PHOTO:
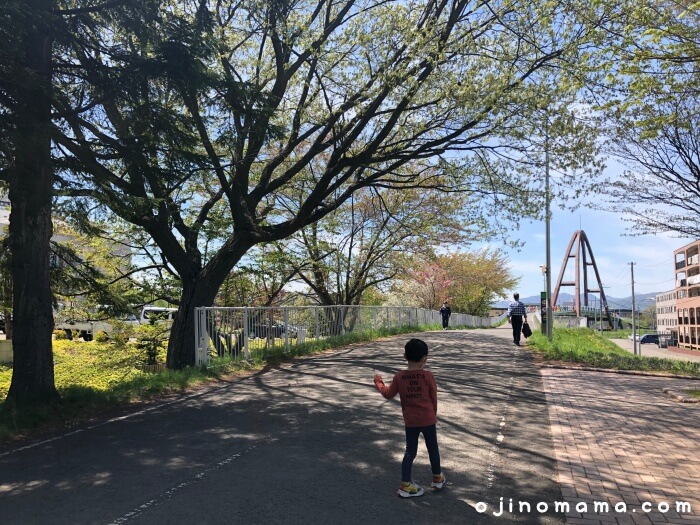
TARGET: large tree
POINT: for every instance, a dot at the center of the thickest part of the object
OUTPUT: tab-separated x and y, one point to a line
653	117
258	280
478	278
365	243
425	284
470	281
248	100
35	66
26	90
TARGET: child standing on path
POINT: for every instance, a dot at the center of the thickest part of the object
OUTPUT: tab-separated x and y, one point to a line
418	393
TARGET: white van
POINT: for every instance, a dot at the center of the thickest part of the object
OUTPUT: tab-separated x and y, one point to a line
160	313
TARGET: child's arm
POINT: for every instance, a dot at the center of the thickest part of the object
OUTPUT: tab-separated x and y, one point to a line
387	391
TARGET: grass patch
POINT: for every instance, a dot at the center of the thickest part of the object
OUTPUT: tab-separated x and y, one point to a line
625	333
617	334
95	377
692	393
585	346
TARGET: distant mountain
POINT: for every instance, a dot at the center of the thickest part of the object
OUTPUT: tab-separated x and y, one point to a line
641	300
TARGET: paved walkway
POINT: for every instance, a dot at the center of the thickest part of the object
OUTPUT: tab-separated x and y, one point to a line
620	440
310	441
313	442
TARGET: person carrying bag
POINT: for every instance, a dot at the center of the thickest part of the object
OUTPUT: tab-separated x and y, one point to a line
517	317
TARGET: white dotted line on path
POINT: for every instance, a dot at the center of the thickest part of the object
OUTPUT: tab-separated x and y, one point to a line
180	486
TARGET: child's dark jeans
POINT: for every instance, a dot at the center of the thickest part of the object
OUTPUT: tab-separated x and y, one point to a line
430	436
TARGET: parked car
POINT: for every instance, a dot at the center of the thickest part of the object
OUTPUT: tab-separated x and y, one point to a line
649	338
87	328
265	330
159	313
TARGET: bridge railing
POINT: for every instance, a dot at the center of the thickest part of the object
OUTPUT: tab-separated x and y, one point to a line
244	331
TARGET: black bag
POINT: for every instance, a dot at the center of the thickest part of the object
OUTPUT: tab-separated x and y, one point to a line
526	330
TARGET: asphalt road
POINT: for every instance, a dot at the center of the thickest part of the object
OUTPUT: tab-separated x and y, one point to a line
308	442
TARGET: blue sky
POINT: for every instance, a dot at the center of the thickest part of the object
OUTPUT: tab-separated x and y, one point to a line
612	248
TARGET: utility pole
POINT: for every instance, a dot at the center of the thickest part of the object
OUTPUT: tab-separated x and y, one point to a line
550	320
634	326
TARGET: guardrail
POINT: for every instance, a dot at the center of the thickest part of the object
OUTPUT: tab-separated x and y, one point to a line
242	331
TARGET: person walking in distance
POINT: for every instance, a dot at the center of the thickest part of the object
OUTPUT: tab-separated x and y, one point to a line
516	316
418	393
445	312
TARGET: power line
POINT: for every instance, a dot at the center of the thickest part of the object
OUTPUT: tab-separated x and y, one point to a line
668	262
660	282
619	277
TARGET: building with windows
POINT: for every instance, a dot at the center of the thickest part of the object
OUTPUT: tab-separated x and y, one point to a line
687	268
666	316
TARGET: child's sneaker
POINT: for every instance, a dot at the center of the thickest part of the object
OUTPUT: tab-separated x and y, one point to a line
438	481
409	489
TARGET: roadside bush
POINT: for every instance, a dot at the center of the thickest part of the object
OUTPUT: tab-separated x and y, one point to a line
122	332
151	339
60	335
101	337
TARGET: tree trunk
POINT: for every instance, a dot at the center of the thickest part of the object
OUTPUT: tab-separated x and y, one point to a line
181	346
30	230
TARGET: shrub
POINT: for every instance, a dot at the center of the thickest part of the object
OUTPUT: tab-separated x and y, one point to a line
150	340
60	335
122	332
101	337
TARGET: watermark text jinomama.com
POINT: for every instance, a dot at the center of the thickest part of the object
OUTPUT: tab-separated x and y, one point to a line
583	507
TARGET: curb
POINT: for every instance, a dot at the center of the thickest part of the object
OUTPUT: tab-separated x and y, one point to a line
680	397
626	372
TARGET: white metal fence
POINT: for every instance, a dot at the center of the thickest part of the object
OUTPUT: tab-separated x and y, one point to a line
243	331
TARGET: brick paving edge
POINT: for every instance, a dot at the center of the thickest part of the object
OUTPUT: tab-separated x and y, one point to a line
614	371
680	397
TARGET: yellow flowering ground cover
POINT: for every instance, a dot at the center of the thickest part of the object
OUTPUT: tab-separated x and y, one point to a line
93	366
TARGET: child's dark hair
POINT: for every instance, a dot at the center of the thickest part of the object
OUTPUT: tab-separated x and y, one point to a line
416	349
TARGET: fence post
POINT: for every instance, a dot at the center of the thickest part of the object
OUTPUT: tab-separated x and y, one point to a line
286	329
246	349
200	330
318	334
